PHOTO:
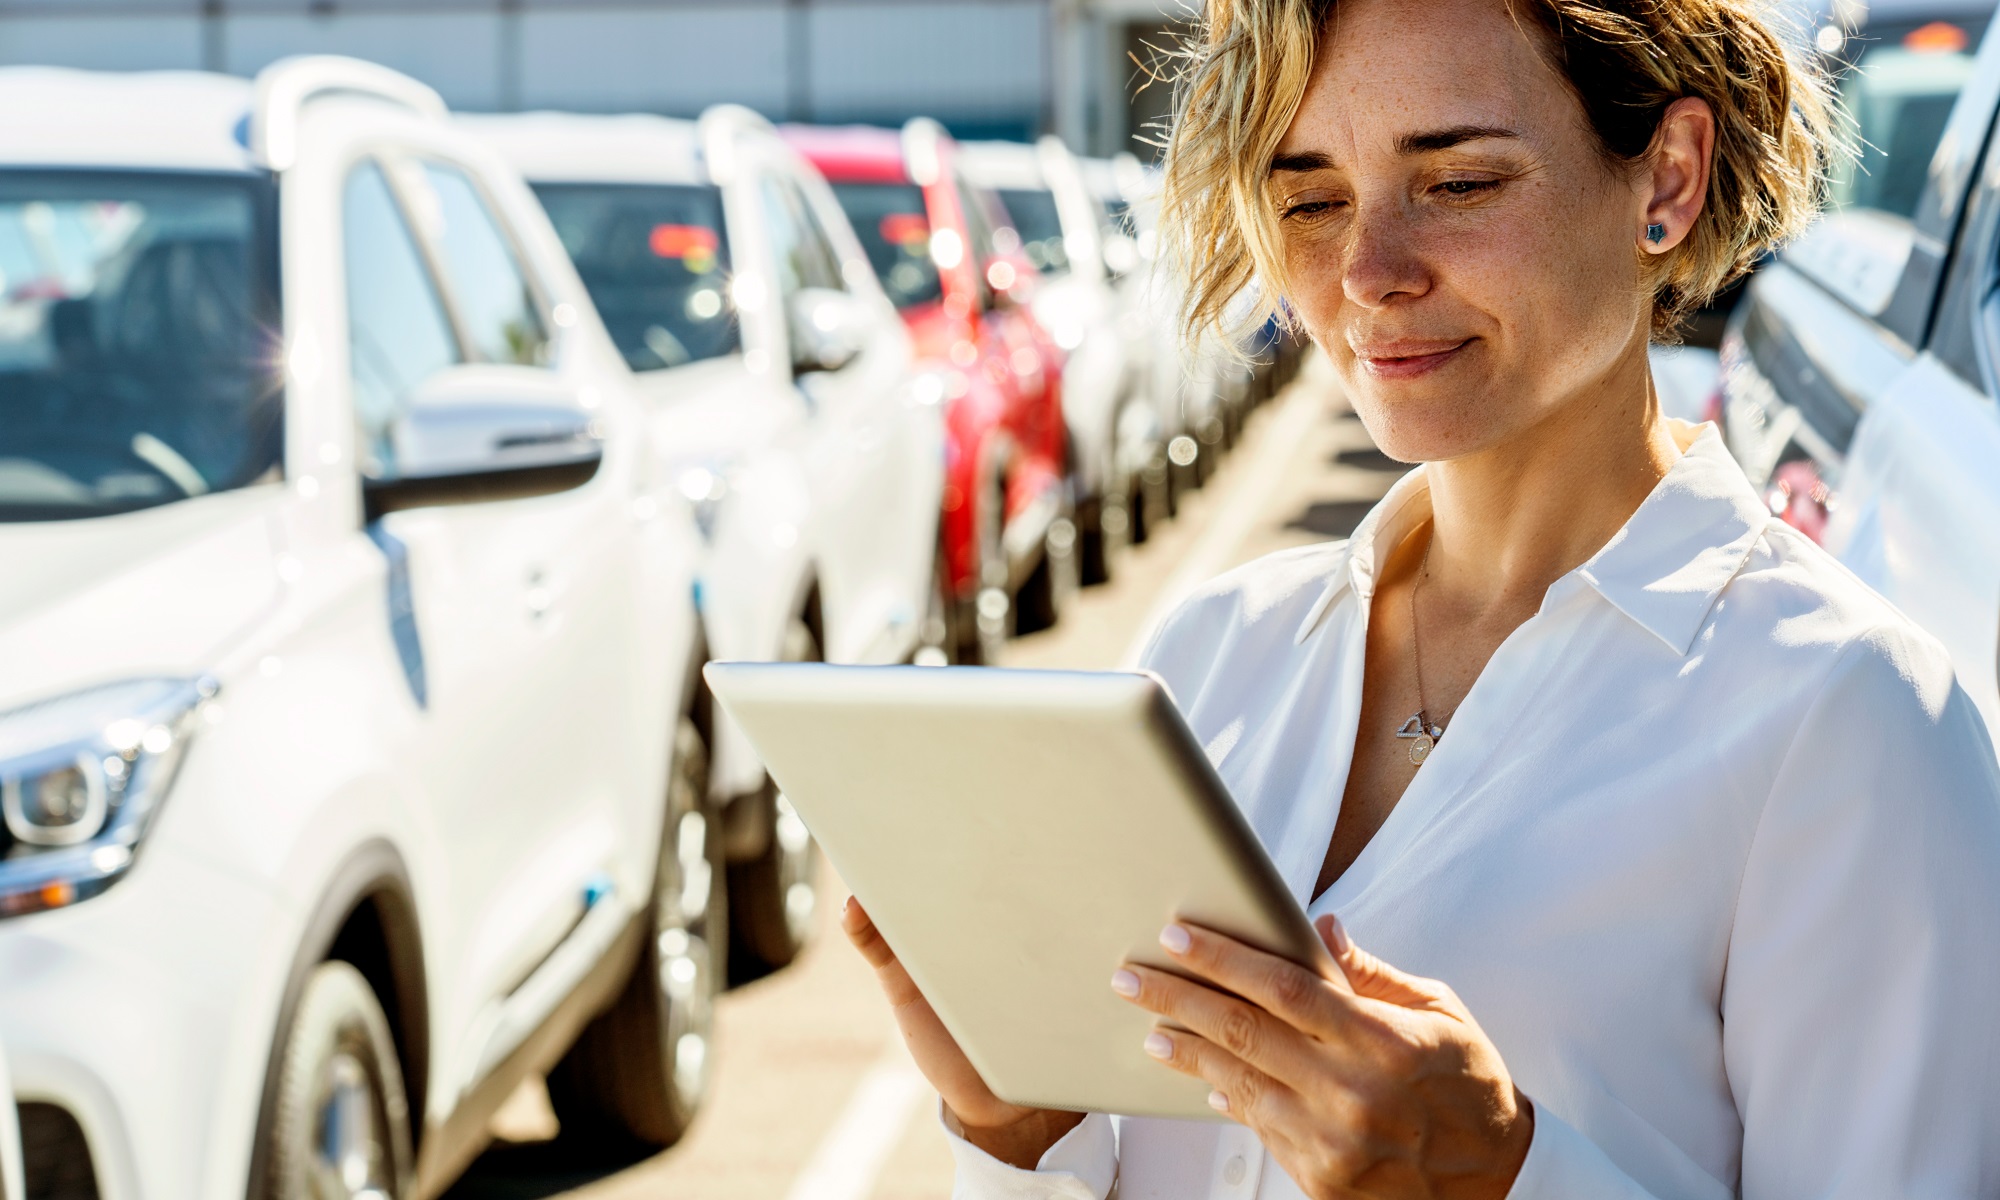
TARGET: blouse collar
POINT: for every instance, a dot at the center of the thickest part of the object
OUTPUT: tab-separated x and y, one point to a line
1663	569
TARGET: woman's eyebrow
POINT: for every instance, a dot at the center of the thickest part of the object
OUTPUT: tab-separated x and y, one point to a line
1406	144
1445	139
1304	160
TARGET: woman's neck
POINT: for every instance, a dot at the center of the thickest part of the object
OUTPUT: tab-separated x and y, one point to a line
1510	520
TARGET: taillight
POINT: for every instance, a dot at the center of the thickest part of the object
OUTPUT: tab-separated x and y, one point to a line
1800	498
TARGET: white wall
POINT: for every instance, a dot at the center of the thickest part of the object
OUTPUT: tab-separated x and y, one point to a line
966	61
974	58
99	43
675	61
456	53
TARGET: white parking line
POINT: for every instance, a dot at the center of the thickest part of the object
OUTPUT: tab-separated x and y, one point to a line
851	1154
1261	476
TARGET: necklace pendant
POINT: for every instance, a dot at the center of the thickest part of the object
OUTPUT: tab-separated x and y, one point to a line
1421	735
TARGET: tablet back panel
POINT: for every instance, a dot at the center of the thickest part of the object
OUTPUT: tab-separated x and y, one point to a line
1016	835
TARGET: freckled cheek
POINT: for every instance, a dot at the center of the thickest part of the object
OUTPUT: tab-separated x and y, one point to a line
1313	273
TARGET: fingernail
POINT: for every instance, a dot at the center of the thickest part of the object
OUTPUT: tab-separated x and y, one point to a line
1176	939
1340	943
1159	1045
1125	983
1218	1102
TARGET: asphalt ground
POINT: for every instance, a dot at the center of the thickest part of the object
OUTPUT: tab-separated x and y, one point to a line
813	1097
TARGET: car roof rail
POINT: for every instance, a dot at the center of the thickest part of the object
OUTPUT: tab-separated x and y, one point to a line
285	88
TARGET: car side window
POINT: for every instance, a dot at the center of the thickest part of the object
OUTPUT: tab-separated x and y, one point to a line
980	228
498	309
398	333
823	262
800	248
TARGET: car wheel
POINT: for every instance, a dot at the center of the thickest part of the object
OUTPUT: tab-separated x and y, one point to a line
641	1070
1053	583
774	896
939	640
988	619
1104	527
342	1126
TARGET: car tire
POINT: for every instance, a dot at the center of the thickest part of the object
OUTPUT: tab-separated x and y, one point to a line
942	635
640	1071
342	1120
1104	528
986	618
1049	589
774	897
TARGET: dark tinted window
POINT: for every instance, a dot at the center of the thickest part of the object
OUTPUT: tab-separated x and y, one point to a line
655	259
804	258
1040	226
138	340
500	313
894	229
397	332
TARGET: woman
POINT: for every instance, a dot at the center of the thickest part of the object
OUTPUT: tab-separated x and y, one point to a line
1699	829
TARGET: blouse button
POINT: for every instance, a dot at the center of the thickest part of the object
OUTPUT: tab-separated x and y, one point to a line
1232	1171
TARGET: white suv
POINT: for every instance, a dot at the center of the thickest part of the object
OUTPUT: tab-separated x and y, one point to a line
780	375
350	748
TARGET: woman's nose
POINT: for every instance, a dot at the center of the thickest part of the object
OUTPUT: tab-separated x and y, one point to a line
1382	266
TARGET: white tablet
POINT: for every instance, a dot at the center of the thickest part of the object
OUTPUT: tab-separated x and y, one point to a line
1016	835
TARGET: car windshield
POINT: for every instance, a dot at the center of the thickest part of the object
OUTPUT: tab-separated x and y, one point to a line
1033	211
1900	95
895	229
138	340
656	260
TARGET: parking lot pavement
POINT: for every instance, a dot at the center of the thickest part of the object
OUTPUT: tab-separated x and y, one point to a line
811	1049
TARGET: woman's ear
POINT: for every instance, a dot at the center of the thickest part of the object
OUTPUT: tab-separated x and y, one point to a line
1675	180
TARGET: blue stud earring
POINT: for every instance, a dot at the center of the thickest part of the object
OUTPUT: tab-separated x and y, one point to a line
1656	234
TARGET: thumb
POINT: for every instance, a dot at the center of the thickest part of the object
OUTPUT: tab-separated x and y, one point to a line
1371	977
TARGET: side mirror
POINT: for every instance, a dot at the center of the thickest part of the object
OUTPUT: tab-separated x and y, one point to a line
480	433
829	329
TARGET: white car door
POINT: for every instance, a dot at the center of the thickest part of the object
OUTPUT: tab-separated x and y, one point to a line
873	525
514	606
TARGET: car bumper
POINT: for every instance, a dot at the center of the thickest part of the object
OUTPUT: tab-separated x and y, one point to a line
146	1013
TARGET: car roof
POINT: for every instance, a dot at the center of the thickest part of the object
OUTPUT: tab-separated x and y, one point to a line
1003	165
549	147
851	153
150	120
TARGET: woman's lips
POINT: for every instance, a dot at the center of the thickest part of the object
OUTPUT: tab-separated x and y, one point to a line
1409	361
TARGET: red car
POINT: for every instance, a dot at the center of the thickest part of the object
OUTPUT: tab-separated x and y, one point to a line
955	268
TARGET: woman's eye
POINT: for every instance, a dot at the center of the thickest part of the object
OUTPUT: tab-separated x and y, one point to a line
1309	208
1467	187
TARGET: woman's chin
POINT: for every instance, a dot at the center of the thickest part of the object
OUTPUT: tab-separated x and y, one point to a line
1412	431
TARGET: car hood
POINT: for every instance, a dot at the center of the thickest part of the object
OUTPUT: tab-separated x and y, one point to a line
156	592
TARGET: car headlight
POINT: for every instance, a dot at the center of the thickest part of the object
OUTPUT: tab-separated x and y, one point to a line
80	778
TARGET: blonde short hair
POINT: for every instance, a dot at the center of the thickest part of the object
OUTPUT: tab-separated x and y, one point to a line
1241	76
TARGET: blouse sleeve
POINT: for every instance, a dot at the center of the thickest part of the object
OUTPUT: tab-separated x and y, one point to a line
1859	993
1081	1166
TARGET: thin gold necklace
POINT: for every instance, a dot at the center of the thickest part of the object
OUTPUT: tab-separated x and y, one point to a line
1419	730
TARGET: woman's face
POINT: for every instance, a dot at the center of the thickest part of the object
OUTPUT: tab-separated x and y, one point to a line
1455	241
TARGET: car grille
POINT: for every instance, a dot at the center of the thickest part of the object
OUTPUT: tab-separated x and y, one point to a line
55	1157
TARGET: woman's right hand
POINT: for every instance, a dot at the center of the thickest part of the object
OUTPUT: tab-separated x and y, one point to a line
1011	1133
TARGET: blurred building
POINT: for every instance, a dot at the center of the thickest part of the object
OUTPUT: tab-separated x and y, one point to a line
987	68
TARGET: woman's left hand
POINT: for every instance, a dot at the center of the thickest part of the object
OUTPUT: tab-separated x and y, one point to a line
1361	1082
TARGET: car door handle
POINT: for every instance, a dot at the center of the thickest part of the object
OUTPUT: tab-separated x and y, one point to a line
539	597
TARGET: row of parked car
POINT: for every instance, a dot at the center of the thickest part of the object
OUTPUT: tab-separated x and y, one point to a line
1860	371
377	481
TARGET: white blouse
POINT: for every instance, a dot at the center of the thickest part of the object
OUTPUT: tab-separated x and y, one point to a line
1711	850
